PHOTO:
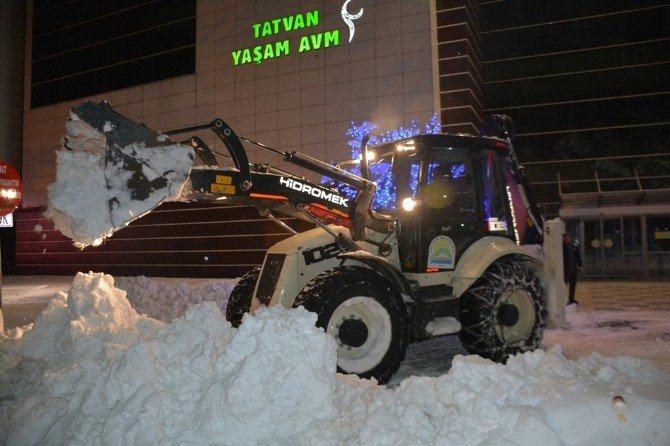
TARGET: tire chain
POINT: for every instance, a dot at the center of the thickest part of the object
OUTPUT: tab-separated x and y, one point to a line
479	337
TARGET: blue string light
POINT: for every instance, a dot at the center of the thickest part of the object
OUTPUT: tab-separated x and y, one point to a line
457	170
358	132
381	173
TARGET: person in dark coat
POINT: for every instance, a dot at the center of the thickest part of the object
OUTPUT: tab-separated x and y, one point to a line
572	264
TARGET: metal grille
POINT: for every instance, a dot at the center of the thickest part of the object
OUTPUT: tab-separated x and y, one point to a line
269	277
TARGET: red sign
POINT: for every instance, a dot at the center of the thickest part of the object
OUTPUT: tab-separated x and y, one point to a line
11	189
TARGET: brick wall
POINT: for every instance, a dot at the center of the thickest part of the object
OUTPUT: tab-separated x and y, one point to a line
175	240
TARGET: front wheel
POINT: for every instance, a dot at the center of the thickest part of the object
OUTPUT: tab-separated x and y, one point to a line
239	301
364	314
503	313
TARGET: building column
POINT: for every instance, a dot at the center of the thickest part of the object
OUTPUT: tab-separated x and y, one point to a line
459	58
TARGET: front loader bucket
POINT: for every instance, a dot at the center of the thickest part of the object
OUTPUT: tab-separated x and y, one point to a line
111	171
124	143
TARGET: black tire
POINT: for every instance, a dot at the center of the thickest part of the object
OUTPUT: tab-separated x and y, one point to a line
504	311
365	315
239	301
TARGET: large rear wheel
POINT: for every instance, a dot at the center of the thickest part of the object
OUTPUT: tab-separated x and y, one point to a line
504	311
364	314
239	301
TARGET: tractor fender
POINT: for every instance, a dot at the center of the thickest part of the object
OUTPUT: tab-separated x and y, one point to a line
296	272
480	255
383	267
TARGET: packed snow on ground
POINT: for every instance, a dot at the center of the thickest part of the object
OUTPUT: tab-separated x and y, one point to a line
637	333
93	371
91	198
443	325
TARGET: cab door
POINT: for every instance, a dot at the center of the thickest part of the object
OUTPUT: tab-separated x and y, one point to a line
461	196
446	216
449	207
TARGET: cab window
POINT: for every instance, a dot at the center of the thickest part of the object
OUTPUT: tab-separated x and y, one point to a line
495	200
449	181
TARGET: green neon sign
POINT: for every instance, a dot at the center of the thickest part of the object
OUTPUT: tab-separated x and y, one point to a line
286	24
262	52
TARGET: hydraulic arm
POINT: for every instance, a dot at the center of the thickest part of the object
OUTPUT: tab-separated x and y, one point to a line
262	185
502	126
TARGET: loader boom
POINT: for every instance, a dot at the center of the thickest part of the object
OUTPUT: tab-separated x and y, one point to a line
502	126
267	188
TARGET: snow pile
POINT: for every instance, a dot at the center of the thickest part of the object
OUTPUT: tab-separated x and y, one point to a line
477	403
162	300
92	371
537	398
95	195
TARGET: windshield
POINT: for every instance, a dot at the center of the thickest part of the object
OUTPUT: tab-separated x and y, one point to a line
448	180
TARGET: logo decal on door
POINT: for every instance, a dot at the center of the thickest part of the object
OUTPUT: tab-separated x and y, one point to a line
442	253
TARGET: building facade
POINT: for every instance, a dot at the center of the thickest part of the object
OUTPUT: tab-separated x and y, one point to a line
292	96
585	82
293	75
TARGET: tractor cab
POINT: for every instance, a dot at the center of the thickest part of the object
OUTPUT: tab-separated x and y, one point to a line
447	191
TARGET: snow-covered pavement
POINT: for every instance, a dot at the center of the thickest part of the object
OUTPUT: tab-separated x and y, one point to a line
93	371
